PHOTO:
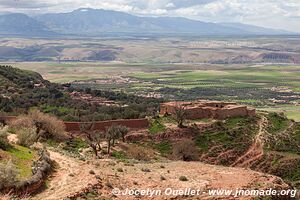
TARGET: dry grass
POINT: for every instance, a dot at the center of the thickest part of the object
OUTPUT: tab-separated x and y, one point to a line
43	125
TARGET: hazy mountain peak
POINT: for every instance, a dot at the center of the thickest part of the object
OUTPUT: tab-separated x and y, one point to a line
95	22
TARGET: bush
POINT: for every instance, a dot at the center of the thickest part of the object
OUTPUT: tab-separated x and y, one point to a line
4	144
183	178
138	153
185	150
46	126
27	136
8	175
145	170
120	170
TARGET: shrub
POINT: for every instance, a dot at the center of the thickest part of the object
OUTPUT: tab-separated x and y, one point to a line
47	127
109	185
8	175
27	136
162	178
180	115
146	170
120	170
4	144
138	153
185	150
183	178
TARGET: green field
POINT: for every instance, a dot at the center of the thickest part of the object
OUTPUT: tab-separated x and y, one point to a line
268	87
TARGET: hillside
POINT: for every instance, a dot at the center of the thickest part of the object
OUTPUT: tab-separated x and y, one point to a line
22	90
268	143
22	25
84	177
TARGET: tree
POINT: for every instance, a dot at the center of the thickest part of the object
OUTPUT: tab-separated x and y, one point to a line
123	130
113	133
180	115
93	137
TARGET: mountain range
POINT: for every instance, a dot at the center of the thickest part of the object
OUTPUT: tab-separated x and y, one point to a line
97	22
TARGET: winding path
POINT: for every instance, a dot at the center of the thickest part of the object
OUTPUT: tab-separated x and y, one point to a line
255	151
70	176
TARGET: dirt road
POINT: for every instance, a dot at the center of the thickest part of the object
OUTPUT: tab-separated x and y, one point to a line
71	176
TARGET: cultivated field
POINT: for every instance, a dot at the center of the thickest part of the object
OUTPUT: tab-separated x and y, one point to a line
262	71
268	87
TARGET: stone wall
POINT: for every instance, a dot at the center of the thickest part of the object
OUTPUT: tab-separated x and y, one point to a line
36	181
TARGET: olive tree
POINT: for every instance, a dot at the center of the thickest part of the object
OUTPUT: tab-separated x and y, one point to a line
180	115
93	136
113	133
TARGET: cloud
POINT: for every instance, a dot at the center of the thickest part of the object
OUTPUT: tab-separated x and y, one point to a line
277	13
31	4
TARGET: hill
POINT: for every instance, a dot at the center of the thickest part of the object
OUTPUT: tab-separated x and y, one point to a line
99	22
87	21
22	90
268	143
22	25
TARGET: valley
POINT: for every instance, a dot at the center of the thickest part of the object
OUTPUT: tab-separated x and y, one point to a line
88	114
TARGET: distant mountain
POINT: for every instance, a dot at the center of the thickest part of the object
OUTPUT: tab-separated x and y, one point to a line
256	29
92	21
96	22
22	25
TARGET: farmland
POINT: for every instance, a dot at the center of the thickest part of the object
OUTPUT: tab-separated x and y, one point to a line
259	71
268	87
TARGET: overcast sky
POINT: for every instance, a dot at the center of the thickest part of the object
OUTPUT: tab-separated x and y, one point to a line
284	14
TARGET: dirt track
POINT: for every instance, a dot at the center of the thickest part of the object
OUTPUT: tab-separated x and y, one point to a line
70	176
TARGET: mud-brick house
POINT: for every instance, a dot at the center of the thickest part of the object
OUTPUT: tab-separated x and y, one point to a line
202	109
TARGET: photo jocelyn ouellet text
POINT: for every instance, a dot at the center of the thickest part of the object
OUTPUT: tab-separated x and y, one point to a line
198	192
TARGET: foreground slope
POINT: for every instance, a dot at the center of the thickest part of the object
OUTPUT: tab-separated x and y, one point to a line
73	177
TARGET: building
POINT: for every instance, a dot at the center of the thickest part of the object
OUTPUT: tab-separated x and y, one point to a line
207	109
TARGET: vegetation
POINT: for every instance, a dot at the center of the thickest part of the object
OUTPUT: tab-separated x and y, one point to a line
183	178
235	134
186	150
37	126
119	155
165	148
180	115
8	175
283	134
277	122
113	133
23	90
156	126
4	144
92	136
27	136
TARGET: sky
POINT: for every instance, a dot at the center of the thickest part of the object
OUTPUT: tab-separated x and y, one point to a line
279	14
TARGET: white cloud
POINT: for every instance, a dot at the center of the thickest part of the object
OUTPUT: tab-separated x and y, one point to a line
271	13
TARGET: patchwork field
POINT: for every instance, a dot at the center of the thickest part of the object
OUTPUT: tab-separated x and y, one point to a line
268	87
